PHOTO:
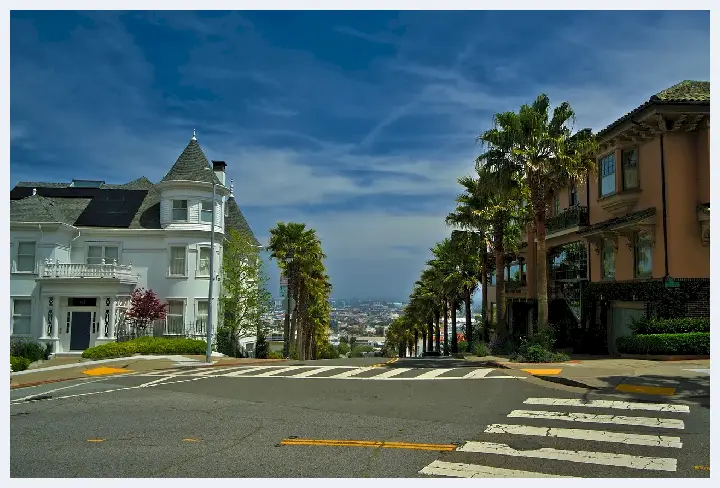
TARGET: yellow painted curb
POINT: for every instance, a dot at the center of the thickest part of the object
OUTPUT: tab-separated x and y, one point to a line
542	372
104	370
383	444
649	390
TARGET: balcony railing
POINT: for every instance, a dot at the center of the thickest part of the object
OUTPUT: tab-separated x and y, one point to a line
106	270
575	216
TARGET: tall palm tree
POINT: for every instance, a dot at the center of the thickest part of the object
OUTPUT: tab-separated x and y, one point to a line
493	197
541	151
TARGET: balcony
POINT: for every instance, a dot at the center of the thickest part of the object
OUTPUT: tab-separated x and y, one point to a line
64	271
572	218
516	289
621	203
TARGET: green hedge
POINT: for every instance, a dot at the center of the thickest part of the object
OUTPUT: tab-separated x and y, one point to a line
32	350
681	325
18	363
146	345
695	343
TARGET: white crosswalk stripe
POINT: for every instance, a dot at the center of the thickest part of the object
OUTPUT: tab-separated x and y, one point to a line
336	372
607	441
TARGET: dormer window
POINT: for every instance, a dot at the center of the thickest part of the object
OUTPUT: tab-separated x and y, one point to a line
180	211
206	211
86	183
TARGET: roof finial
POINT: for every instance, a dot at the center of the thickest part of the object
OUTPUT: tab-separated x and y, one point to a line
232	187
193	137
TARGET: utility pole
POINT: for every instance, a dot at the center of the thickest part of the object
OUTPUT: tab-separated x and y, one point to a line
208	332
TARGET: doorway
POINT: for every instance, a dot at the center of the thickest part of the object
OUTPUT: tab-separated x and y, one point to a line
80	330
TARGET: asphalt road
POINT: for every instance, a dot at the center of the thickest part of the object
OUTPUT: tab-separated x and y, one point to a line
180	425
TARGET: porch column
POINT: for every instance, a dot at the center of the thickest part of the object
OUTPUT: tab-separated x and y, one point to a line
101	322
44	312
111	325
55	318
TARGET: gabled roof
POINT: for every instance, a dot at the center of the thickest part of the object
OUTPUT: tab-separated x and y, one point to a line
37	208
686	92
192	165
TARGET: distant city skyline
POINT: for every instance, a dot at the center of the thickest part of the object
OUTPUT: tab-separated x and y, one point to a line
355	123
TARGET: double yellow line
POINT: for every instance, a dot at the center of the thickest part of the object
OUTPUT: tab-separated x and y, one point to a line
379	365
378	444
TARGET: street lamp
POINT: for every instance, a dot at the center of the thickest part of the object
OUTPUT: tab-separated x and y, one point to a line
286	335
208	332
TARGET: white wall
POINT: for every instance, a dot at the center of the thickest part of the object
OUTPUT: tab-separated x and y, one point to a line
147	250
194	199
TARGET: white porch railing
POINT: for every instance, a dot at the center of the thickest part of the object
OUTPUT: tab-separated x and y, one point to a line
105	270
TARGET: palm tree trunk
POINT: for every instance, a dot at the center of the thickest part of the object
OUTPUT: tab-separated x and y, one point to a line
485	304
542	275
499	278
424	346
430	333
453	319
446	350
468	318
437	329
415	344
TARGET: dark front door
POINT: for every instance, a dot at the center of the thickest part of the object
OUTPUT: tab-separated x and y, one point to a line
80	331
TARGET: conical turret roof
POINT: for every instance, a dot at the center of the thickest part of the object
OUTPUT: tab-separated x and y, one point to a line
192	165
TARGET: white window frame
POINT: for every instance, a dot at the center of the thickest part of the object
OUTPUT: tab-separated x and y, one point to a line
170	259
198	272
204	212
17	257
14	315
173	208
183	316
197	311
103	246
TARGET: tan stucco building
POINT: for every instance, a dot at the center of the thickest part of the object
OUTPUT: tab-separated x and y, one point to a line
633	240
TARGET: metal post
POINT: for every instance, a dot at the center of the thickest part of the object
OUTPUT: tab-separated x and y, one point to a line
208	332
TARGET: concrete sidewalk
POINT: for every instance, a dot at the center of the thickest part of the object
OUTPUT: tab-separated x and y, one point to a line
64	369
686	379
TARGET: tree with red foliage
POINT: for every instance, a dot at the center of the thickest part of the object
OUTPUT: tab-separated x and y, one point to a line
145	308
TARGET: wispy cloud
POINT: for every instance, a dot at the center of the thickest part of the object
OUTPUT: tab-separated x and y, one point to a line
361	130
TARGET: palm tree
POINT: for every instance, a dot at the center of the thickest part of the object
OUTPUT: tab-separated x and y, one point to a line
543	154
308	282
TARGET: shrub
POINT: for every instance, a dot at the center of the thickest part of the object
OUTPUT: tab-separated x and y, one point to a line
538	349
680	325
462	346
480	349
262	348
227	343
275	355
34	351
146	345
18	363
687	343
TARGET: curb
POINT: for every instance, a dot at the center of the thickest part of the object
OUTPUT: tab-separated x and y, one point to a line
190	365
661	357
41	382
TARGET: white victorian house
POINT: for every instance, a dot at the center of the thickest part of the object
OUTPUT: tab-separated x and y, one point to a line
79	249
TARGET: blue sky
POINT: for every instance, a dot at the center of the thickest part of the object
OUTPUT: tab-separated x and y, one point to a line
357	123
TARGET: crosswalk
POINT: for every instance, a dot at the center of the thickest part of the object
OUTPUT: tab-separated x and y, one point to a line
332	372
636	441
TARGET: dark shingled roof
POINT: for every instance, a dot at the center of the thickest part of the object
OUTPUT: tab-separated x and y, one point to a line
686	92
65	204
625	219
192	165
235	220
37	208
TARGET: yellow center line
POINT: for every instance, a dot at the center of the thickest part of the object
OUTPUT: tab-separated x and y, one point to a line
649	390
189	439
96	440
383	444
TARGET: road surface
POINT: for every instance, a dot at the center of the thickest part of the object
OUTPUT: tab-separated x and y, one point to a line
437	417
